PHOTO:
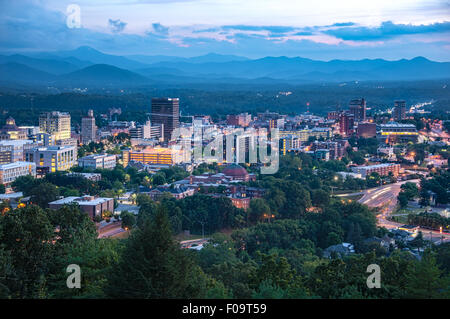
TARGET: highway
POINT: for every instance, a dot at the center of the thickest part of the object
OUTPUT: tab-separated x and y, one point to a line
385	197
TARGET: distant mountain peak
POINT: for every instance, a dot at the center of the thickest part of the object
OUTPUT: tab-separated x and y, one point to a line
420	58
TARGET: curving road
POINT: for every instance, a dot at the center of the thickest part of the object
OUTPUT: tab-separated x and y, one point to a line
385	197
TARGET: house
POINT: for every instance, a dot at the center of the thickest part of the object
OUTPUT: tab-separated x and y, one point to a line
384	242
340	250
178	192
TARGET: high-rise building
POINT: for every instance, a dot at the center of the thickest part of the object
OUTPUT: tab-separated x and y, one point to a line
346	123
147	131
358	109
88	128
56	124
166	111
399	112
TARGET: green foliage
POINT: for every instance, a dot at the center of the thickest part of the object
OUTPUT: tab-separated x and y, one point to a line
128	219
153	266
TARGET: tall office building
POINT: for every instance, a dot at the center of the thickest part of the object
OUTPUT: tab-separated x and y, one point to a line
88	128
346	123
399	112
166	111
56	124
358	109
147	131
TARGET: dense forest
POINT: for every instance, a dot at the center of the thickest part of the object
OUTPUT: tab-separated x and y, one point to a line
218	101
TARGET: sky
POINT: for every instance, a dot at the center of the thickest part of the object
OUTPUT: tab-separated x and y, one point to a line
319	29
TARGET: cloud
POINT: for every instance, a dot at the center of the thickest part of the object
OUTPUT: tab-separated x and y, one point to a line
26	26
387	30
116	26
159	29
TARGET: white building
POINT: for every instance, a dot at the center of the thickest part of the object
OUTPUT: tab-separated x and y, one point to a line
105	161
9	172
55	123
16	147
53	158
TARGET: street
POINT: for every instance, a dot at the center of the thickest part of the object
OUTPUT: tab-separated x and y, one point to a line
385	197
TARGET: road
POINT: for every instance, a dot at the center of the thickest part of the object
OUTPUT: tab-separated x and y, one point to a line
110	230
197	242
385	197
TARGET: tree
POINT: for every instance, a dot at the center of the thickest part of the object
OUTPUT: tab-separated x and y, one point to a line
24	184
258	210
402	199
320	198
424	278
43	194
128	220
152	265
159	179
26	236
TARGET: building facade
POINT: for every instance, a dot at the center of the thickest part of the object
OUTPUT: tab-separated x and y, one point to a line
88	128
242	119
56	124
52	158
93	206
14	150
346	123
156	155
366	130
357	107
10	131
9	172
382	169
103	161
166	111
395	132
399	111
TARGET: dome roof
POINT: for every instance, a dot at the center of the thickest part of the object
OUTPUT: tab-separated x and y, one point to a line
235	170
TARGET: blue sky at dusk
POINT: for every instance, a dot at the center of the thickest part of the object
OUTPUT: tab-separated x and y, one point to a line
318	29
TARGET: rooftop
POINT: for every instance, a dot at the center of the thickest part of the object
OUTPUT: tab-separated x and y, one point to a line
397	125
16	142
86	200
95	156
376	166
15	165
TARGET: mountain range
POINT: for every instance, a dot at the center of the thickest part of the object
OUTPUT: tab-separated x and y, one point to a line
88	67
